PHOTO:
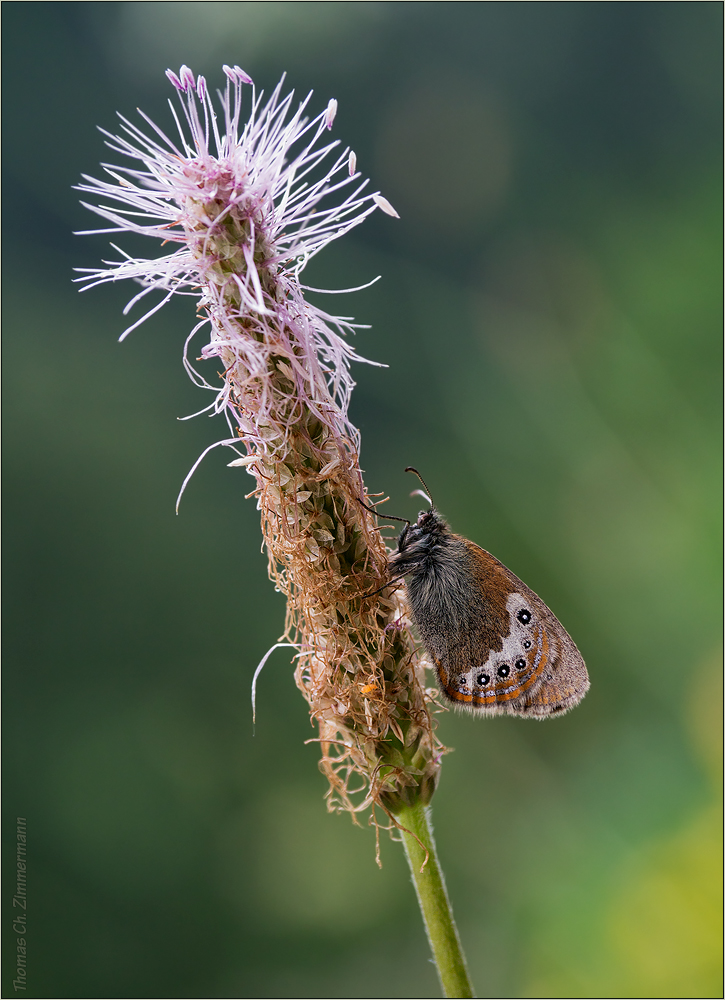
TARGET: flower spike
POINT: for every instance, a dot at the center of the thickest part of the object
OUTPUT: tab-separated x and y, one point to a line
241	201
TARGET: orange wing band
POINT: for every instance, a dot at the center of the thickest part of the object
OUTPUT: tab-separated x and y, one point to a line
500	693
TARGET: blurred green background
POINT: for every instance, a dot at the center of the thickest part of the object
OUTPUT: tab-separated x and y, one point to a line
550	310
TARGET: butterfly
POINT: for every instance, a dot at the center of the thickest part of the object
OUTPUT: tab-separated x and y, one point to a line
496	647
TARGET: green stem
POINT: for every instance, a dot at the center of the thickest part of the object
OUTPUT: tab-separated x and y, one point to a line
433	899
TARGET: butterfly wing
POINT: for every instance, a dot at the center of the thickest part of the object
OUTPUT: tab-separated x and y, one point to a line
507	654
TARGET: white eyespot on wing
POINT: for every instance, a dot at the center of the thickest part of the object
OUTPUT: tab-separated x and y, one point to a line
463	683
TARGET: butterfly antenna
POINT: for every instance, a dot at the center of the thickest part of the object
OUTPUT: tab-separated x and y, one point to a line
409	468
385	517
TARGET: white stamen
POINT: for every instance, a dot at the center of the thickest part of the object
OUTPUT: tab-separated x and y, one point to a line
258	671
385	206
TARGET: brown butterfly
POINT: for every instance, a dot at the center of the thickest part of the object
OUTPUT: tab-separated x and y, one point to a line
497	648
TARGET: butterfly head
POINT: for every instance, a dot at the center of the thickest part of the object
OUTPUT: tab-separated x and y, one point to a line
429	530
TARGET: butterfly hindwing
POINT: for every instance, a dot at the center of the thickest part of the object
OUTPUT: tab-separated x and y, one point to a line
513	657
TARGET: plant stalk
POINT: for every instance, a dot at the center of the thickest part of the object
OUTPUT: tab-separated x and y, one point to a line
430	887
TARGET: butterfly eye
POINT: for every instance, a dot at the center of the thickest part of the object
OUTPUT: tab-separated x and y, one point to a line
527	644
504	670
482	680
520	663
524	616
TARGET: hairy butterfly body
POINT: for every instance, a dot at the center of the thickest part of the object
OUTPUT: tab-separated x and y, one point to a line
497	648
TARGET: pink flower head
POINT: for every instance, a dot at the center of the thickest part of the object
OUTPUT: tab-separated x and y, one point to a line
247	203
